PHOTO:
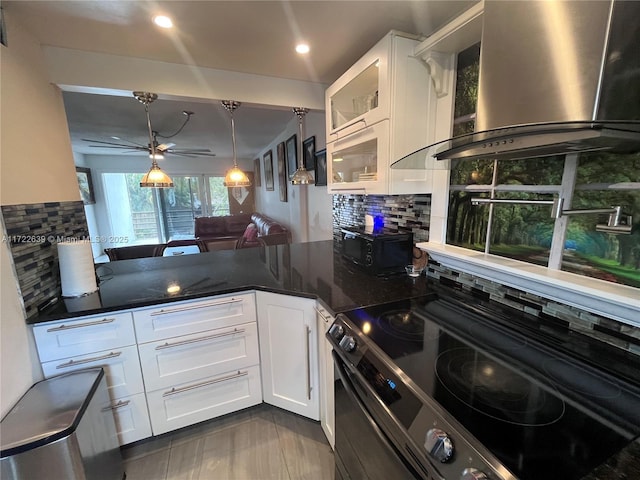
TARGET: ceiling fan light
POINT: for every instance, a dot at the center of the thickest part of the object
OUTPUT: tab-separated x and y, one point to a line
157	156
156	178
236	178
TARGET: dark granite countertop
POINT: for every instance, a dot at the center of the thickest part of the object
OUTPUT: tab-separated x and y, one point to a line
313	270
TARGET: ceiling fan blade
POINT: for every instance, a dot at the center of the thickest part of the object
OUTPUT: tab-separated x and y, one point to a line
190	153
192	150
130	145
163	147
122	147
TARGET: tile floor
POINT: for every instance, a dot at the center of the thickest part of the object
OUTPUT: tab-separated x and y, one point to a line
261	442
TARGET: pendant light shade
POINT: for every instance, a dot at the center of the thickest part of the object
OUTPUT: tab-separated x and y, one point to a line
155	177
301	175
234	176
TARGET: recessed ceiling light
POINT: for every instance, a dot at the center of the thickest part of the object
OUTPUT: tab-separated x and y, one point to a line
163	21
302	48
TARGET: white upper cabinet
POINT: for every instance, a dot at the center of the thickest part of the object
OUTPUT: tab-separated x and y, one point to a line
377	112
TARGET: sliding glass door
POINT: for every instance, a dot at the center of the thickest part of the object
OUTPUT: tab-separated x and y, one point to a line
148	215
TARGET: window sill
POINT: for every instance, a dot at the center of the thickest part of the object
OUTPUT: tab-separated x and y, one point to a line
619	302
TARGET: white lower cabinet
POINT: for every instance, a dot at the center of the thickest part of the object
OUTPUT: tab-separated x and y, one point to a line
106	341
288	351
177	364
191	357
121	367
132	418
184	404
325	363
200	359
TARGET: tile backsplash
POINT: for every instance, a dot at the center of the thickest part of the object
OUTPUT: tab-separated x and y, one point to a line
404	213
32	230
552	315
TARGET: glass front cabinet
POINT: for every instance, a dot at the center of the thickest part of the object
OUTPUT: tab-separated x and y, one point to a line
377	112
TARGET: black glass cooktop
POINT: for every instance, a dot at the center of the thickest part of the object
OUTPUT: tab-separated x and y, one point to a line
542	413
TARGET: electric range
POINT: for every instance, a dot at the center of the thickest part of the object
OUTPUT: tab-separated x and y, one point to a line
458	391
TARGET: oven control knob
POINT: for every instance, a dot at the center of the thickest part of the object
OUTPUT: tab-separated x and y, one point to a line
473	474
336	331
439	445
348	343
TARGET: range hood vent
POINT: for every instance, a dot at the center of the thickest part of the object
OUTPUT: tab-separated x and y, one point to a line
555	78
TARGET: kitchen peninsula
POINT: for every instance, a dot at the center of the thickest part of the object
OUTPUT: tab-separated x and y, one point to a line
309	270
213	333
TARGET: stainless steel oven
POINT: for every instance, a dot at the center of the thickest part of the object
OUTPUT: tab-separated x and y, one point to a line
439	389
363	449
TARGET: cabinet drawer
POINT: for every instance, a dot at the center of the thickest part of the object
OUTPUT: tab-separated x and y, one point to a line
68	338
192	357
176	319
132	418
121	367
188	403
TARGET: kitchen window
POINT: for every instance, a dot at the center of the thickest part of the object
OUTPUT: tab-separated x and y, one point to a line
148	215
529	233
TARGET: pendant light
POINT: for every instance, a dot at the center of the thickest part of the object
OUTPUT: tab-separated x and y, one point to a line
301	176
155	177
234	177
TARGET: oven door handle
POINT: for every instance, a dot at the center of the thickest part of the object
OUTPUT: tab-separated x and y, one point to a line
349	387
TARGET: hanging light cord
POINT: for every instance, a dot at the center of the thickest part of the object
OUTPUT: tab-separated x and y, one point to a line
151	140
230	106
233	138
185	112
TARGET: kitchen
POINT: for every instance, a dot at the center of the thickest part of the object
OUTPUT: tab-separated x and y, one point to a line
56	182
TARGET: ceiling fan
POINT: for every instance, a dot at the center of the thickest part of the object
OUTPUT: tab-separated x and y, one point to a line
159	148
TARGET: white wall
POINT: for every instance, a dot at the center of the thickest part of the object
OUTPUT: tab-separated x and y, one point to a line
308	210
36	166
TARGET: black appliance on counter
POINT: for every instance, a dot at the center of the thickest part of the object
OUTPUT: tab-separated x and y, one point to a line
379	251
436	388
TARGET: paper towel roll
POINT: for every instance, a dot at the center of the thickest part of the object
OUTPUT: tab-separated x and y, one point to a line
77	273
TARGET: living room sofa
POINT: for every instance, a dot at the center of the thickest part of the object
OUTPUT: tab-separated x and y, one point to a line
240	231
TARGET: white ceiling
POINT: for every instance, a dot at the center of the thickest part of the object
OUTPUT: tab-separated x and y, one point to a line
244	36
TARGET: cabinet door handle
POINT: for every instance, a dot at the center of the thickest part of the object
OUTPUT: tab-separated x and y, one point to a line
321	313
335	132
308	351
73	363
194	307
175	391
348	189
80	325
118	405
200	339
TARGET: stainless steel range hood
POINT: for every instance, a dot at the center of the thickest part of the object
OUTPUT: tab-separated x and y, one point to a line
555	78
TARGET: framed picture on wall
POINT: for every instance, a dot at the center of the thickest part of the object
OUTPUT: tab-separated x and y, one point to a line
268	171
86	185
309	153
292	154
321	167
282	172
256	171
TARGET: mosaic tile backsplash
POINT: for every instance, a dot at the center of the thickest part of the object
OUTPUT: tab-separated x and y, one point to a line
404	213
552	315
32	231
